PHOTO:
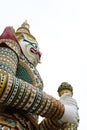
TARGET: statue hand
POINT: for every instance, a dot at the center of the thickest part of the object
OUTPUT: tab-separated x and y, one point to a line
71	109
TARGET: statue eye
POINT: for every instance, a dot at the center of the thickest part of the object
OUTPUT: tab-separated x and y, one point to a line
34	45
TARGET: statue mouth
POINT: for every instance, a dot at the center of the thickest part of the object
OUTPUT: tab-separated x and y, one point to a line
32	50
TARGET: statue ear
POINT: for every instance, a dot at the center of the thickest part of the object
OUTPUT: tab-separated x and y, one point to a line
8	39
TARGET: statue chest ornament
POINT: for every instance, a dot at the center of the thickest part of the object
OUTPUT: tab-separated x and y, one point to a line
27	72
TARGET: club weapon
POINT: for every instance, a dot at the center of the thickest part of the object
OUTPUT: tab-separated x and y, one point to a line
66	88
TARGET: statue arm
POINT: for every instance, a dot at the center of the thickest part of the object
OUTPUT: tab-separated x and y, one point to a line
21	95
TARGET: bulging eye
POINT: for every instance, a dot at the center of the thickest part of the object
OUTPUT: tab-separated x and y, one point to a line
34	45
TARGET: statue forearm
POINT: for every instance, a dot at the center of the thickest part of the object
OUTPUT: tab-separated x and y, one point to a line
22	95
48	124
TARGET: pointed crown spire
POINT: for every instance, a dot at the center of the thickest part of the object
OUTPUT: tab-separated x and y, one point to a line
24	29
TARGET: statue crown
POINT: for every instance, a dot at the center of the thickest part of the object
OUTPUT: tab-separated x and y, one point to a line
24	29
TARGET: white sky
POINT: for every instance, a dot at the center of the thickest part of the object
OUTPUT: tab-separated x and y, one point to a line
60	27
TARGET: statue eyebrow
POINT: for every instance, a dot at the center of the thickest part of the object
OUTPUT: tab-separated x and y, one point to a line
29	42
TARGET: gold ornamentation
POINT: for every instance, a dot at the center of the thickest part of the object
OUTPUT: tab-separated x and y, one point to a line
3	81
13	45
8	88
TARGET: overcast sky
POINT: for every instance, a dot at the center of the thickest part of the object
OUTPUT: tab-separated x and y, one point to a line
60	27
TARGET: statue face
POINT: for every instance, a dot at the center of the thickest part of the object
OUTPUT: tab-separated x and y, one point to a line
30	49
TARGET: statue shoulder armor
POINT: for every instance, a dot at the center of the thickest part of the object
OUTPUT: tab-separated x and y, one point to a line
8	39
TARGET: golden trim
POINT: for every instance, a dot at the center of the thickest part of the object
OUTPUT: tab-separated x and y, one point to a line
3	81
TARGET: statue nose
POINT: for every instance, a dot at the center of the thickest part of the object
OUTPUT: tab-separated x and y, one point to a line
39	54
